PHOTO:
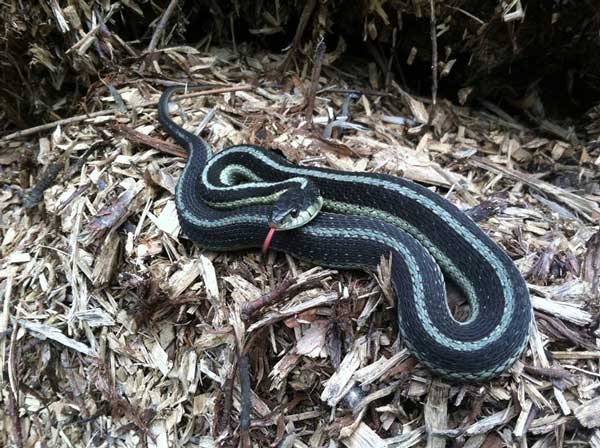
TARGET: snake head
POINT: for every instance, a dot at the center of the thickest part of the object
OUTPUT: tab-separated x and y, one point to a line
296	207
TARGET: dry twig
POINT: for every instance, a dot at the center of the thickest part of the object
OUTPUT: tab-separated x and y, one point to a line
434	53
309	6
314	81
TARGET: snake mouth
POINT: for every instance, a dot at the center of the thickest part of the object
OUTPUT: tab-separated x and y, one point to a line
293	217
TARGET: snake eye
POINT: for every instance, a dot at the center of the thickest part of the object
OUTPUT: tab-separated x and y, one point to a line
294	212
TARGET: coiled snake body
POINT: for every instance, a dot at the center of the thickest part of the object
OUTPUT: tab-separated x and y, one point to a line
366	216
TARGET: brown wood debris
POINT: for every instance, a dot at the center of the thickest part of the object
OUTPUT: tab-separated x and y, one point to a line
116	329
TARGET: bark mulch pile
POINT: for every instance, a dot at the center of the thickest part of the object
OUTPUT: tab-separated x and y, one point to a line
116	330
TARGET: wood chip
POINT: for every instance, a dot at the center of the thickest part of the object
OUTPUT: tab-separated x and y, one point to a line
588	413
43	331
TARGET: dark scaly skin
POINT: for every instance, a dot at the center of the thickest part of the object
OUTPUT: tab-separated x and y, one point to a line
355	242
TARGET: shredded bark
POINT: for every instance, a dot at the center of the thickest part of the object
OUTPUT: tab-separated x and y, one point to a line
115	328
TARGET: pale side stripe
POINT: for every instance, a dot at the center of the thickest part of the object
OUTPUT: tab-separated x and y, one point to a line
441	258
417	283
382	238
481	248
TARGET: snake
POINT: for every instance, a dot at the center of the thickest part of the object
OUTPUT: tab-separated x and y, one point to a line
230	200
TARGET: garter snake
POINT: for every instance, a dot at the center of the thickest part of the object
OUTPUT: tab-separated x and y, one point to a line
224	202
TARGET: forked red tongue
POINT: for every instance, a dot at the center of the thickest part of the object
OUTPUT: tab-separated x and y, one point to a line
268	238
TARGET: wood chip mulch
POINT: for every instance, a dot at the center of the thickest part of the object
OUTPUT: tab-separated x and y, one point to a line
116	330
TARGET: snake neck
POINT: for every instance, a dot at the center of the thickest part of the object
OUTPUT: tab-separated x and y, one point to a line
198	154
198	150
